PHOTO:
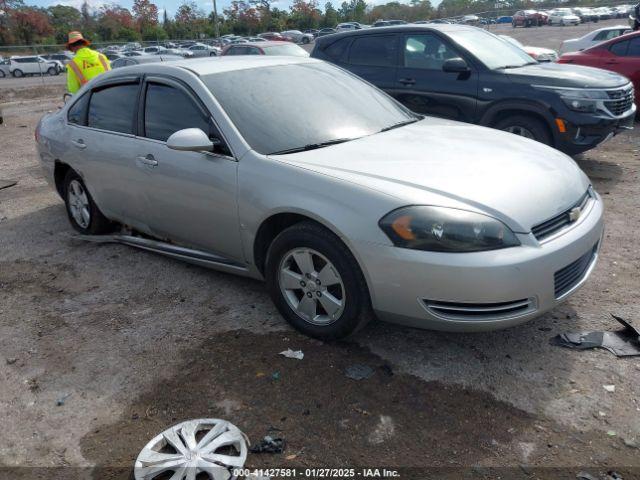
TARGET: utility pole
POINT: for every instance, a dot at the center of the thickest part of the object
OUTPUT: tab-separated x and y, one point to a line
215	20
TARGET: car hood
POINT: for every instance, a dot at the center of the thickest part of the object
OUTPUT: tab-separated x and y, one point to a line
539	50
563	75
446	163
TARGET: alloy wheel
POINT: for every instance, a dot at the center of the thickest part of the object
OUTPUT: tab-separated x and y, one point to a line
79	204
521	131
312	286
204	448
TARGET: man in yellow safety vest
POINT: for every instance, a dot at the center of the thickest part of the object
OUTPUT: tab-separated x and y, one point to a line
86	63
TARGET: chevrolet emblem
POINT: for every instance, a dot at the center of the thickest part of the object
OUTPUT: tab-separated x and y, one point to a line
574	214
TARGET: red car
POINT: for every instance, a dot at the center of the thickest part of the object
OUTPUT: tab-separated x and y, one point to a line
529	18
276	37
620	55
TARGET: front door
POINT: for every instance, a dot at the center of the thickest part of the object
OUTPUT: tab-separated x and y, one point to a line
425	88
190	196
375	58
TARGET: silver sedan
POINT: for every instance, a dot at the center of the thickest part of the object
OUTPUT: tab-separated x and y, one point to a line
294	171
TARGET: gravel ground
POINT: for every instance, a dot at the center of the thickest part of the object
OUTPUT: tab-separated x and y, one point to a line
104	346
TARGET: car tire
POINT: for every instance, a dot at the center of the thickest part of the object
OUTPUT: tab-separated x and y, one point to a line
83	213
525	126
2	74
513	24
305	40
52	71
17	73
308	265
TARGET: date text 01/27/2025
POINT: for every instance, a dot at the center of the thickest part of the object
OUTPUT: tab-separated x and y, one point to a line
342	473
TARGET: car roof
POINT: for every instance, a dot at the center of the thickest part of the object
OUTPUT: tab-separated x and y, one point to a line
441	27
268	43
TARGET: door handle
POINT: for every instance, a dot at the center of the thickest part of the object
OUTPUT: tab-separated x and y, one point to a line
79	144
407	81
148	160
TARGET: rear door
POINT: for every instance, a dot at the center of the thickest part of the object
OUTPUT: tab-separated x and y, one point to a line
424	87
190	197
374	58
624	58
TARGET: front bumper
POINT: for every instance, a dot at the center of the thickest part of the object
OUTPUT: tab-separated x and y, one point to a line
483	290
587	131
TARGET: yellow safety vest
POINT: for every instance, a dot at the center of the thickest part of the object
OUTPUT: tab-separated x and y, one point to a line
84	66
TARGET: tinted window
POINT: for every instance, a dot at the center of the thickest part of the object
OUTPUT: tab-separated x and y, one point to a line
634	47
374	50
337	49
619	48
168	110
112	108
78	111
427	52
237	51
321	103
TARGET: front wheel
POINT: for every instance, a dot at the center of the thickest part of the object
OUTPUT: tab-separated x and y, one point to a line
17	73
305	40
52	71
316	283
82	211
525	126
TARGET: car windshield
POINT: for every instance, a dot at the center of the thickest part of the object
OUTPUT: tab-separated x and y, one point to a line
288	49
492	51
321	104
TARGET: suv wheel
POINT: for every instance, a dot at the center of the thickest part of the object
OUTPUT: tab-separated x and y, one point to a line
525	126
82	211
52	71
316	283
17	73
305	40
2	74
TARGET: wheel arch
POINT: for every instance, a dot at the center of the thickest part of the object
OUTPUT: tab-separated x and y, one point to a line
500	111
60	170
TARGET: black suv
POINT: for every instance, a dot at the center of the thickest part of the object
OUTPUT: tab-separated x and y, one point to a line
468	74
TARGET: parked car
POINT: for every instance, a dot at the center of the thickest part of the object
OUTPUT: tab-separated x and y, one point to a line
468	74
133	53
504	19
603	13
527	18
265	48
348	26
388	23
129	61
563	18
312	31
593	38
275	37
63	58
154	49
326	31
5	68
176	51
539	53
298	37
620	55
344	201
113	56
33	65
202	50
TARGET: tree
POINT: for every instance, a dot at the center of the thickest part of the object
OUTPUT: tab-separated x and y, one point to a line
190	21
31	24
145	13
64	19
330	18
116	23
305	14
7	7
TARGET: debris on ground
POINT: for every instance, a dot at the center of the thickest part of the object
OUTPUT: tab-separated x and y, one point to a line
7	183
11	361
269	444
622	343
609	388
358	371
585	476
61	400
297	354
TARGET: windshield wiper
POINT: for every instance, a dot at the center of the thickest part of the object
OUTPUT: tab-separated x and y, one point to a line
398	125
311	146
505	67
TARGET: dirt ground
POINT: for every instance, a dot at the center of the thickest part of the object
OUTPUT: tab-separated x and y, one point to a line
104	346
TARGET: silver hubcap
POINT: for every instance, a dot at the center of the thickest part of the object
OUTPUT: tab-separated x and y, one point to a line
206	446
312	286
79	204
518	130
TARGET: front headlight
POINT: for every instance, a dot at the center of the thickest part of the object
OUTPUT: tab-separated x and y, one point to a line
579	99
439	229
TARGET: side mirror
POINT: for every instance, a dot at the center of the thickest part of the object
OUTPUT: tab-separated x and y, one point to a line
455	65
66	97
191	140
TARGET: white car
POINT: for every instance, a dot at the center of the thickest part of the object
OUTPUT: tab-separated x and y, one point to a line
297	36
563	17
202	50
348	26
593	38
33	65
538	53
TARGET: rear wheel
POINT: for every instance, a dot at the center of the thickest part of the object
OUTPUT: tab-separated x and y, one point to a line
2	74
82	211
18	73
316	283
525	126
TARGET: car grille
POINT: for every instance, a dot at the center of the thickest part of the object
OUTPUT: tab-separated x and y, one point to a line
479	311
568	277
620	100
560	221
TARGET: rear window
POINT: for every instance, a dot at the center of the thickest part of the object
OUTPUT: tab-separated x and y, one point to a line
336	50
620	48
78	112
372	50
112	108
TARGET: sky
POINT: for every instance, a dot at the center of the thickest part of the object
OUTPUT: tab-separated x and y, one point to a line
172	5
